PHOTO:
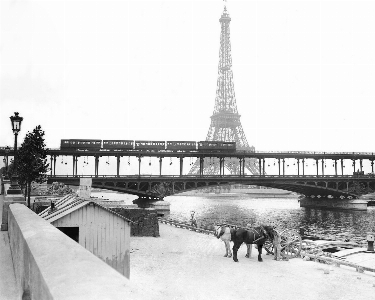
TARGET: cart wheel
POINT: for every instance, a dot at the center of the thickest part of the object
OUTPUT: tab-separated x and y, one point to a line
291	243
268	245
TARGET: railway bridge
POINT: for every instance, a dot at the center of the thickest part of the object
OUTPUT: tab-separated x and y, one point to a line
158	187
316	175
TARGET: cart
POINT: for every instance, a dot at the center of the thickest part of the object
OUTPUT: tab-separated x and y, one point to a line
291	244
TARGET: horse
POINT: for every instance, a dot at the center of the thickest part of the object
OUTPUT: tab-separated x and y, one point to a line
255	235
224	233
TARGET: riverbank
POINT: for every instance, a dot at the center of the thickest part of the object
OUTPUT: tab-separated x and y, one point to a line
182	264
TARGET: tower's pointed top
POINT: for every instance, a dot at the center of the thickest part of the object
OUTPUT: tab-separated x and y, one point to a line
225	16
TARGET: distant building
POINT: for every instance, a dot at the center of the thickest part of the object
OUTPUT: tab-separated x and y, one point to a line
100	230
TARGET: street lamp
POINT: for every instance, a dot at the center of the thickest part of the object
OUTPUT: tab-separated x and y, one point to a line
7	149
16	127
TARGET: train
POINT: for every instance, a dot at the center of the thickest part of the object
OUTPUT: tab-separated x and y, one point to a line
130	145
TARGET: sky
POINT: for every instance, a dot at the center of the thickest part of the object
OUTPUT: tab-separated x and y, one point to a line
303	71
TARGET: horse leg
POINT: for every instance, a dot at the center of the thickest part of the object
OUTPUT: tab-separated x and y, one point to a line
236	246
260	253
227	248
249	250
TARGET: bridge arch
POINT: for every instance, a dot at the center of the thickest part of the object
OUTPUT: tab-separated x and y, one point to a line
162	186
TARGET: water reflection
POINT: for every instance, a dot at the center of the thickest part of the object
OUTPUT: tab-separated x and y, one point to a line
241	210
331	224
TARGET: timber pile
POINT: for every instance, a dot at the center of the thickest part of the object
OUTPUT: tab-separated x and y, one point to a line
321	247
337	262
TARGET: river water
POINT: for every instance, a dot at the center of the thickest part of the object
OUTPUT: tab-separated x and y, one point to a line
242	210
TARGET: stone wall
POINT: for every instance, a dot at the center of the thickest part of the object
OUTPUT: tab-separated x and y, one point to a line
50	265
146	220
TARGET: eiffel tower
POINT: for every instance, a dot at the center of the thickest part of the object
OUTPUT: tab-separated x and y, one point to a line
225	120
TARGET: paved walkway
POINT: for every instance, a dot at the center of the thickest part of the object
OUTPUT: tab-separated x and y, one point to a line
181	264
8	289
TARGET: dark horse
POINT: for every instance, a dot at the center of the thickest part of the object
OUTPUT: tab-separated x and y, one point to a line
256	235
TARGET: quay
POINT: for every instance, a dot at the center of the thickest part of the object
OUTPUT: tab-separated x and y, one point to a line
184	264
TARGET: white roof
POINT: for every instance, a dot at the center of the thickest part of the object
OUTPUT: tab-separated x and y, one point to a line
69	204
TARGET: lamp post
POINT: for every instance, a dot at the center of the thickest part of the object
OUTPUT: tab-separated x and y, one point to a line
7	149
16	127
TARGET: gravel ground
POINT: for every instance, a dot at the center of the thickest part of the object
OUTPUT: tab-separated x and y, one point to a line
181	264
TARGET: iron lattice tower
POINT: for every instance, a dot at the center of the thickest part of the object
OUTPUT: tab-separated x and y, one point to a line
225	120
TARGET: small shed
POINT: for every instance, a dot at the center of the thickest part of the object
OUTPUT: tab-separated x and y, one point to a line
100	230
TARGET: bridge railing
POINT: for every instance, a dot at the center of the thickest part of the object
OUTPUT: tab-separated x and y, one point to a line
254	152
308	152
212	176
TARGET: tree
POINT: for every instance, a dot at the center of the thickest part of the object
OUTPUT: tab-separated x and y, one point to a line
32	160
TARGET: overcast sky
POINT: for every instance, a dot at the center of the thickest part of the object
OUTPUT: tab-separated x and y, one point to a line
304	71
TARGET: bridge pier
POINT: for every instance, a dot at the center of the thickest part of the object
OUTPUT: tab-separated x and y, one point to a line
181	165
303	167
51	164
342	204
96	165
162	207
264	167
118	165
160	165
335	167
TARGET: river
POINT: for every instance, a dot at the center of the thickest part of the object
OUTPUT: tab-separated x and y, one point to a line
242	210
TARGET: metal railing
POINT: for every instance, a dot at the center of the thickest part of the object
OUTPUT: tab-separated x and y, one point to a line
239	152
213	176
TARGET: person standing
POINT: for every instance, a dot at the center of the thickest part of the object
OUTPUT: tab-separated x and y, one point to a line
193	220
225	235
278	255
276	245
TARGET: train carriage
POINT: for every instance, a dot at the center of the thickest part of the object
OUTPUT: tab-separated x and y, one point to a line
81	144
181	145
217	146
229	146
149	145
118	144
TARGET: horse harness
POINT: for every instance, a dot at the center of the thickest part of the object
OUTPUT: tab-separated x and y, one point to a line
262	234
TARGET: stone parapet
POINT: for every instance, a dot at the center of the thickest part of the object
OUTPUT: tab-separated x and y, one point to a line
50	265
7	201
